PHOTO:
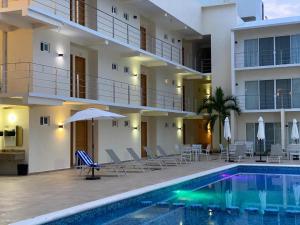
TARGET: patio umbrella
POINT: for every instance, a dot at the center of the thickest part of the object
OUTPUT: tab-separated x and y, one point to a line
93	114
295	132
263	200
296	189
227	135
261	136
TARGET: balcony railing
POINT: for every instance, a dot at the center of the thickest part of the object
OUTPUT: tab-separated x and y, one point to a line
285	100
267	58
110	26
26	77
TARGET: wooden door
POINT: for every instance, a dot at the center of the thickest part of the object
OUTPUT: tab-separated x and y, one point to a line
71	77
80	84
144	140
183	57
80	12
143	38
143	90
183	98
81	142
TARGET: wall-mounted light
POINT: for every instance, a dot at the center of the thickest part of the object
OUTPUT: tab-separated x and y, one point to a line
12	118
60	126
135	75
60	54
179	128
135	128
178	86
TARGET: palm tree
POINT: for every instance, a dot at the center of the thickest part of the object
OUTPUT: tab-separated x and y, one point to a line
218	107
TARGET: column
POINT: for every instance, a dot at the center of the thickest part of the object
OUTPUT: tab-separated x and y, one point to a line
282	121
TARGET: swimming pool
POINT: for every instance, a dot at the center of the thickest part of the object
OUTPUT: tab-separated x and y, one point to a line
242	194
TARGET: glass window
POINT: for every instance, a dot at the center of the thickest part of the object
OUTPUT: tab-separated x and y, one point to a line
283	51
283	93
251	95
266	90
266	51
295	49
251	53
296	92
251	135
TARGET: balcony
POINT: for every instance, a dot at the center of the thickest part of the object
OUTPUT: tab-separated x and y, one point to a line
283	100
109	26
25	78
266	59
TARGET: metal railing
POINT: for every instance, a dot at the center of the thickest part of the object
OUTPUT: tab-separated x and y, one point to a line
27	77
284	100
267	58
110	26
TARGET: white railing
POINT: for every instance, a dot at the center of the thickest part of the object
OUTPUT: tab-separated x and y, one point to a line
27	77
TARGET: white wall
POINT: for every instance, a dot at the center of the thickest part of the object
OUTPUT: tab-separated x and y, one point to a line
189	14
119	138
251	8
49	146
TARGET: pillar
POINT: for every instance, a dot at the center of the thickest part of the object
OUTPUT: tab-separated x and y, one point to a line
282	121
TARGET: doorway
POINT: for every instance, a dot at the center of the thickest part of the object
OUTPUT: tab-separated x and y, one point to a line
143	90
77	11
144	139
143	38
80	82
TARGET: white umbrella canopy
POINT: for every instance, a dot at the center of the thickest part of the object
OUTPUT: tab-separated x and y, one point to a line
93	114
261	129
227	132
295	132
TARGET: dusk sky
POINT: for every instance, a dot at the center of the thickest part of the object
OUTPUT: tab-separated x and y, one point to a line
281	8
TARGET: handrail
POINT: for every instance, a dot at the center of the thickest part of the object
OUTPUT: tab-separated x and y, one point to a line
34	77
129	34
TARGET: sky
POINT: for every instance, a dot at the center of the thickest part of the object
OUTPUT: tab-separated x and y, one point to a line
281	8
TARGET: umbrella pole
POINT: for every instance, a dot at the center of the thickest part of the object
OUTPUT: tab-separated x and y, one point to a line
260	153
93	177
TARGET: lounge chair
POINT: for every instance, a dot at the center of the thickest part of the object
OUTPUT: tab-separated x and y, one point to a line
123	166
223	152
148	163
276	154
176	159
206	151
85	161
165	161
237	152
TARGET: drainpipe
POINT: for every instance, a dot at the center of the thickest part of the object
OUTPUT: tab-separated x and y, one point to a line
282	119
3	87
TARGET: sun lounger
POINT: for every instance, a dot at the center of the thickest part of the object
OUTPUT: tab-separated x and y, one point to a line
276	154
165	161
177	159
85	161
123	166
148	163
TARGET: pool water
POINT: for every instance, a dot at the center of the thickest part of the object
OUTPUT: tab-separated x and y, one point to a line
231	197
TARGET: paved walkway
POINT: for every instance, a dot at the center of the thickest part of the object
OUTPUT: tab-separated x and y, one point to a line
34	195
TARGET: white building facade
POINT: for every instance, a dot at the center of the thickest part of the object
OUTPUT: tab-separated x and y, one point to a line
152	61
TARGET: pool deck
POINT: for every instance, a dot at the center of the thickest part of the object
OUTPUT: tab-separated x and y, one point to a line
34	195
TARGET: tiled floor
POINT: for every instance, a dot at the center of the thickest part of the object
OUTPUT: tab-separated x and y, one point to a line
34	195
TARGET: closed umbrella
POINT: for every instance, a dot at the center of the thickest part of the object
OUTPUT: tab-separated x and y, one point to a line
295	132
227	135
261	136
93	114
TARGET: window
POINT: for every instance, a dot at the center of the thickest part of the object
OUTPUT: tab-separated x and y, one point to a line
295	49
45	120
266	51
296	92
272	131
126	16
45	47
251	53
166	37
251	95
283	93
266	90
114	10
126	69
283	51
114	66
